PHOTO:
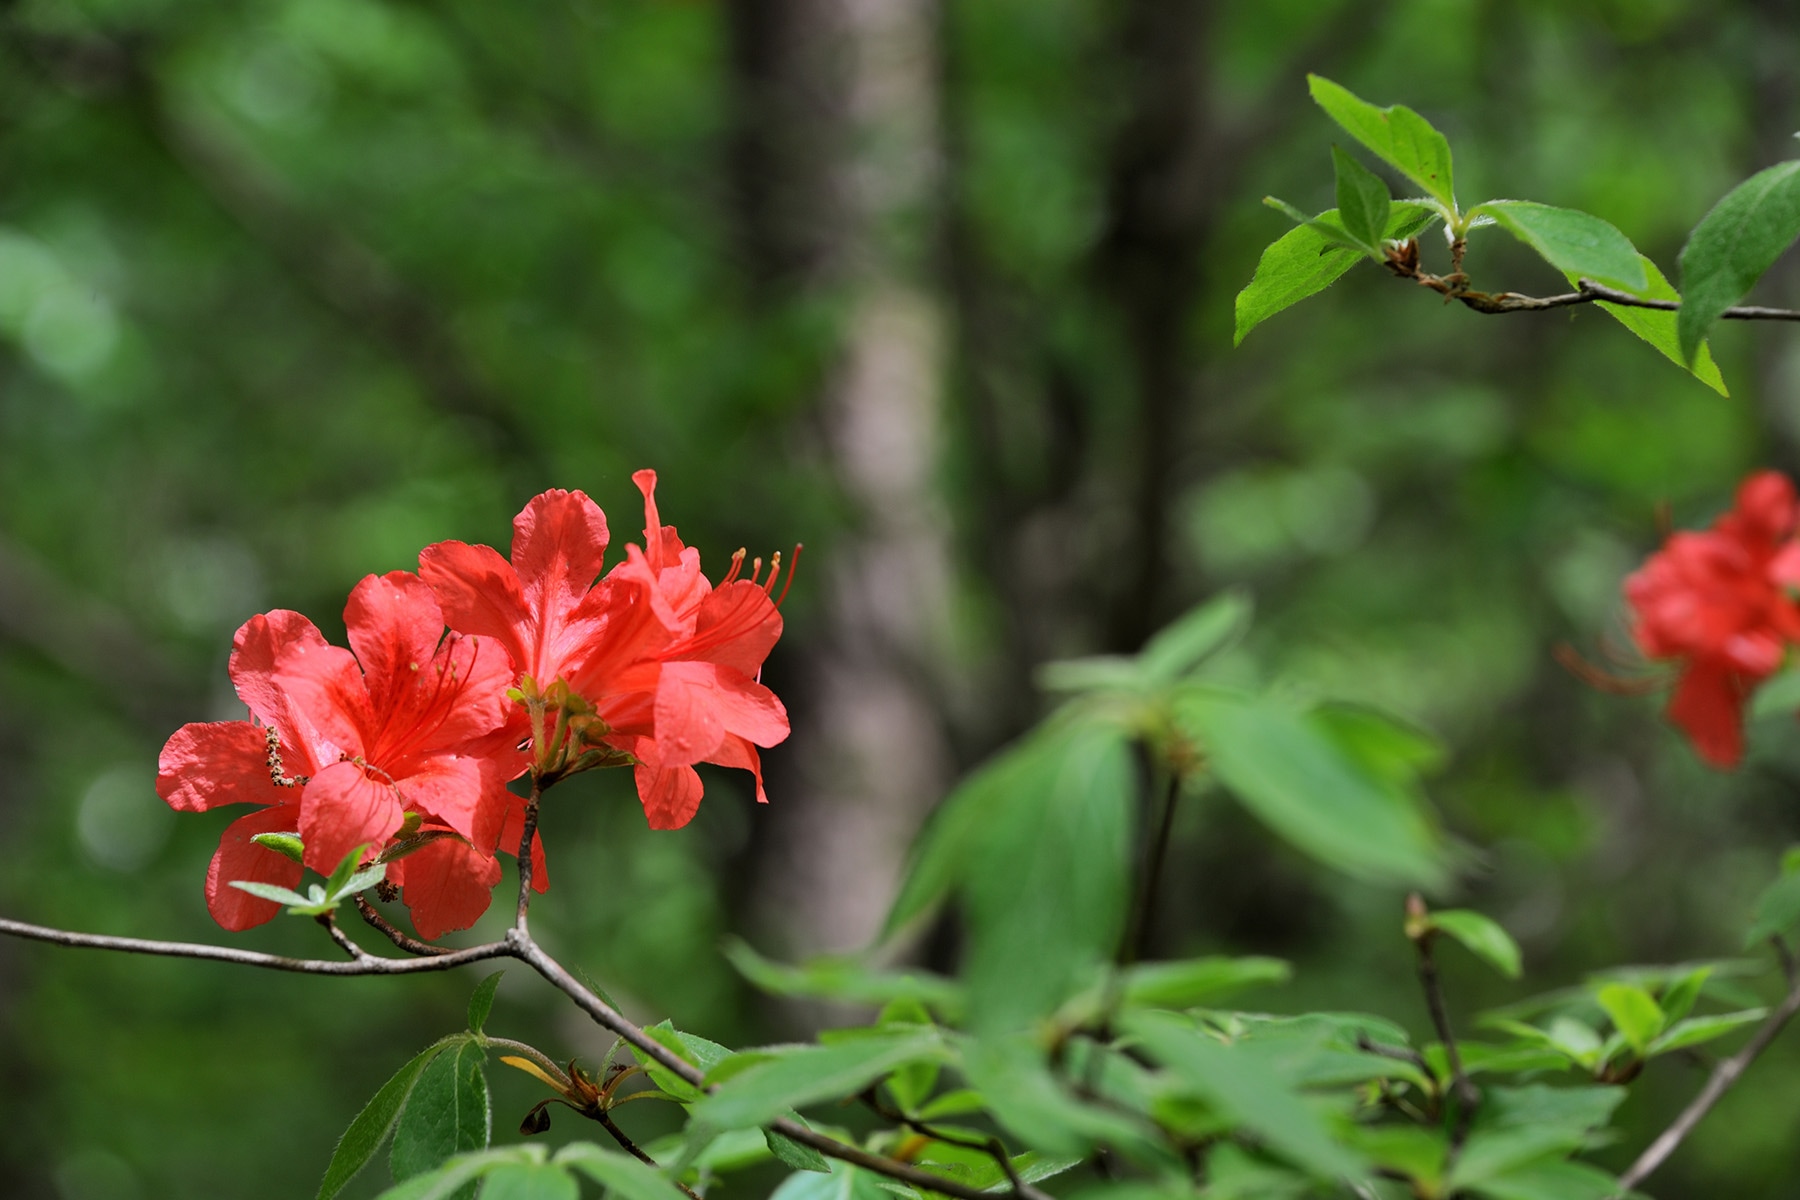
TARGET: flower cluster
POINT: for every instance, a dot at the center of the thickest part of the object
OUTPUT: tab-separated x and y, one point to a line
1719	603
462	678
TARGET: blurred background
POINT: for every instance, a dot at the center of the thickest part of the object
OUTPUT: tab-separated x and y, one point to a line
941	288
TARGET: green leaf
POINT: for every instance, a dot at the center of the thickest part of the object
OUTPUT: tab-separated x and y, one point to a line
768	1089
1482	936
270	891
1634	1012
340	874
1695	1030
623	1177
1777	909
1574	242
1678	998
1488	1155
370	1127
697	1050
1398	135
1287	770
530	1181
1194	637
1332	231
1038	844
794	1154
445	1114
1362	201
1239	1082
1027	1100
361	880
1196	981
1658	327
288	845
1743	235
1581	1108
481	1003
457	1177
843	977
1305	261
1553	1179
844	1182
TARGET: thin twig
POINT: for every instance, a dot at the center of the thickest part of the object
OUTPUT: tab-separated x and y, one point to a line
632	1148
1137	937
1405	1054
993	1147
1420	932
525	840
1785	956
393	933
356	952
369	965
533	1053
1717	1084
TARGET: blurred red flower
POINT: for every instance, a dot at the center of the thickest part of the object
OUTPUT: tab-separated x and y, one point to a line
1718	602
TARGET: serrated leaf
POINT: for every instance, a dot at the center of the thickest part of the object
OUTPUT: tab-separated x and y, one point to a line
288	845
1696	1030
1658	327
481	1003
794	1154
371	1126
1196	981
1728	251
625	1177
1240	1084
1482	936
446	1113
270	891
1399	136
1574	242
1777	910
1305	261
1332	231
1289	773
1363	201
1634	1012
1198	634
769	1089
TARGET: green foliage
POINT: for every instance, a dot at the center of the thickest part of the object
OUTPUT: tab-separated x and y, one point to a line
1658	327
1575	243
1282	766
1363	202
787	1078
446	1112
1399	136
288	845
1778	908
1483	936
344	881
1306	260
481	1002
1634	1012
839	977
1738	239
373	1124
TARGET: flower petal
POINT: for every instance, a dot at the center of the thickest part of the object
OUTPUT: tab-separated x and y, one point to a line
327	690
736	626
734	751
479	594
239	858
259	645
558	547
447	885
670	796
343	808
448	787
1708	704
206	764
394	625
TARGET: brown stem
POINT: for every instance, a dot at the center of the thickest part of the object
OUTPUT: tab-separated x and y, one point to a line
525	840
1137	937
356	952
1421	934
1717	1084
393	933
632	1148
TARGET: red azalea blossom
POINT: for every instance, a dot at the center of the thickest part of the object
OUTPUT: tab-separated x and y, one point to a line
664	661
1718	603
405	724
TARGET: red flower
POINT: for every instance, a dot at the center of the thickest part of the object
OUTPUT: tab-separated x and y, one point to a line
208	764
1717	602
405	724
663	662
